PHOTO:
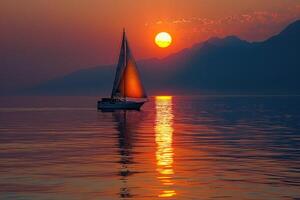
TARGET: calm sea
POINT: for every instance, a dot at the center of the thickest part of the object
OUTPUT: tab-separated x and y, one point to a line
193	147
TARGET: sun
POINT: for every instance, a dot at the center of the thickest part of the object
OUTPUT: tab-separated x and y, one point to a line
163	39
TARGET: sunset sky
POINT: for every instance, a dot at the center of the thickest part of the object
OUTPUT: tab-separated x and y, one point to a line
41	39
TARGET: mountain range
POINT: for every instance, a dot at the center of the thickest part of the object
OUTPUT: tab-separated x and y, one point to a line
228	65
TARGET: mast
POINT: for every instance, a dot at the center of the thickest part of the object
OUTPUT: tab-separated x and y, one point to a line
125	50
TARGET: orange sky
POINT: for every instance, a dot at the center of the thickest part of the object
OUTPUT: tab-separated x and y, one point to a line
48	38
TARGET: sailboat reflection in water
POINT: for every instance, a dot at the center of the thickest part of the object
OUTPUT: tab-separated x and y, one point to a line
127	123
128	91
164	138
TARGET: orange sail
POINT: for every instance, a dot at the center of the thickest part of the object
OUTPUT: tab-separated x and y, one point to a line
127	81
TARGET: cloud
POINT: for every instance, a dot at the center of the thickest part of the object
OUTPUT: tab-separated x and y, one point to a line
180	21
256	25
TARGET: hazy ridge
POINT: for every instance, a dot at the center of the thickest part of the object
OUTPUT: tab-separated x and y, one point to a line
216	65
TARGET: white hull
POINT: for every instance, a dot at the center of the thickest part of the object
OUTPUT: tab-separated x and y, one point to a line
119	105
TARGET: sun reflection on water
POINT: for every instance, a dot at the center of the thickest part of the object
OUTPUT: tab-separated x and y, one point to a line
164	138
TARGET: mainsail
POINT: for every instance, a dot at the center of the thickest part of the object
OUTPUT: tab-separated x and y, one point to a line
127	80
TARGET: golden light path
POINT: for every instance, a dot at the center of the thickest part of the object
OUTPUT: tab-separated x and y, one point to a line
164	139
163	39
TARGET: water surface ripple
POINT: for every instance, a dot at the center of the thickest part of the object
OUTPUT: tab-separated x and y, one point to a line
191	147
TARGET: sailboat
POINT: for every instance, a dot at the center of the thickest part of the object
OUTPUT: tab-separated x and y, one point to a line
128	92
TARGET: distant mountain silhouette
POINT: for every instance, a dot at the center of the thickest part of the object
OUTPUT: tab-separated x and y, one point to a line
216	65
